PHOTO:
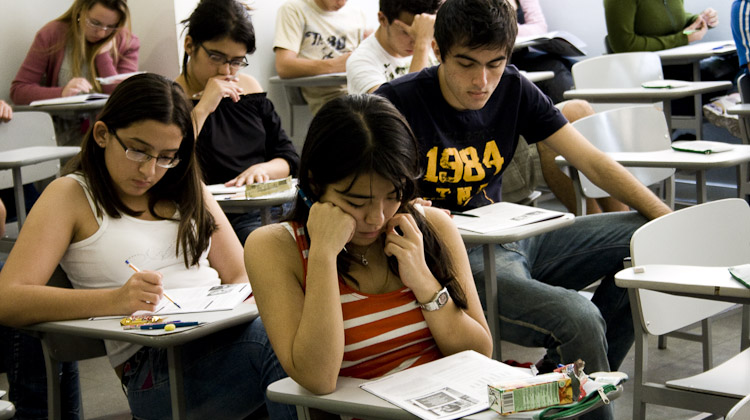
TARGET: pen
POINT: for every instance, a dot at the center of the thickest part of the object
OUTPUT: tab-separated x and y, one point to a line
161	326
304	197
138	271
458	213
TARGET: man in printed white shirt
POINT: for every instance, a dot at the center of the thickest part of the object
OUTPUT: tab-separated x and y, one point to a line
402	44
316	37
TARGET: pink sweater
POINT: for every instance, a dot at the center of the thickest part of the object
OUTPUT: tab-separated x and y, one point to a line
533	17
38	76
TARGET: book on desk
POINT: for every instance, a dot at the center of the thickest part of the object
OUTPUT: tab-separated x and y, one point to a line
449	388
501	216
75	99
558	42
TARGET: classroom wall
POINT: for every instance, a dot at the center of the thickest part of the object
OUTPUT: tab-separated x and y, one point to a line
155	23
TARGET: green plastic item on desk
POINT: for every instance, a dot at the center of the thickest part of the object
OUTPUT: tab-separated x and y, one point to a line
576	408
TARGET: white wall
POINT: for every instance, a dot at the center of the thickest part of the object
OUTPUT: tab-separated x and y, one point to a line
155	23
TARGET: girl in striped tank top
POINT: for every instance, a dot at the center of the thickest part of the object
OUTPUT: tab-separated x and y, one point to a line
364	282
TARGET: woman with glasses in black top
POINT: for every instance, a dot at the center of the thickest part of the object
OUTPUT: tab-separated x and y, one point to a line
239	136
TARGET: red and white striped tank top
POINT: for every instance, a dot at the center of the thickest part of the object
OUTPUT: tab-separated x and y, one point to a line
383	333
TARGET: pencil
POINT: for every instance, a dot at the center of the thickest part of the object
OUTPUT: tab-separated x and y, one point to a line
138	271
458	213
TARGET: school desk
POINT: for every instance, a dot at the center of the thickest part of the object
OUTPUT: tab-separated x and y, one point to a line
59	332
350	400
714	283
649	95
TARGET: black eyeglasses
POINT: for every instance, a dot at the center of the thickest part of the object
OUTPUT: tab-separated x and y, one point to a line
141	157
221	59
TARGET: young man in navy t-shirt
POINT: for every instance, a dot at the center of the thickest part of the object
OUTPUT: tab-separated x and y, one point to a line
467	114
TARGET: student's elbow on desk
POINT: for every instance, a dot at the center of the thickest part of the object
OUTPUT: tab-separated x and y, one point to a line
319	384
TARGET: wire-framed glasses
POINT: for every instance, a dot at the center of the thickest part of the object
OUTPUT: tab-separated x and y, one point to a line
141	157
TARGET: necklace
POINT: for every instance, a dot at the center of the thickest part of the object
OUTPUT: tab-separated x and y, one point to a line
362	257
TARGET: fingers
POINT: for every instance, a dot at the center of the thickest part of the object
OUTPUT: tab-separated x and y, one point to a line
76	86
146	287
6	112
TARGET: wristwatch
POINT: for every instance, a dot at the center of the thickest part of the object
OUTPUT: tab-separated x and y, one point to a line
437	301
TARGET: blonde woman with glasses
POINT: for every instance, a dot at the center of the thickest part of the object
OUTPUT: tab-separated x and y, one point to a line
91	40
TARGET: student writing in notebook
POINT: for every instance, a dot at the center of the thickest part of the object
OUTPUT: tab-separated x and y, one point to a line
134	193
364	283
240	139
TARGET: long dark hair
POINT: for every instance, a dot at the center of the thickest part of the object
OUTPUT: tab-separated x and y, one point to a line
360	135
216	19
151	97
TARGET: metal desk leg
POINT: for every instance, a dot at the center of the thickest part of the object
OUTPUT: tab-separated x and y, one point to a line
698	103
20	200
700	187
176	388
490	294
668	115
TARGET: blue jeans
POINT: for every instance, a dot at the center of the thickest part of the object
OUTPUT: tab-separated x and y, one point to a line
537	282
225	376
244	223
24	361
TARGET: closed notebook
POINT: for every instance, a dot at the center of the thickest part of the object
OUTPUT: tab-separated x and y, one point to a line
741	273
665	84
701	146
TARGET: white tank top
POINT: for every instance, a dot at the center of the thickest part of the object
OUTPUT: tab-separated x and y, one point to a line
98	261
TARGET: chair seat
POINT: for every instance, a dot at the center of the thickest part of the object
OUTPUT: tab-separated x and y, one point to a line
729	379
7	410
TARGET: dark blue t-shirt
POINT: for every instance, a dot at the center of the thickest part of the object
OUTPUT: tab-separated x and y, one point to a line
464	153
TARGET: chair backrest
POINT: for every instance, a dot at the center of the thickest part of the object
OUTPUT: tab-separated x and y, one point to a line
710	234
641	128
617	70
623	70
741	410
28	129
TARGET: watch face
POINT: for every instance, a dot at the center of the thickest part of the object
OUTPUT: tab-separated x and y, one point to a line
443	298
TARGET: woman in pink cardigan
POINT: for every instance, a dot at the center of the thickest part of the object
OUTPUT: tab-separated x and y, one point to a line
92	39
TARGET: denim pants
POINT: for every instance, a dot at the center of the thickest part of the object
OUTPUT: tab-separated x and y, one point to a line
537	282
244	223
23	359
225	377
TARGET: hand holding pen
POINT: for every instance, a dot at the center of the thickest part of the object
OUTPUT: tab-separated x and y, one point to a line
152	302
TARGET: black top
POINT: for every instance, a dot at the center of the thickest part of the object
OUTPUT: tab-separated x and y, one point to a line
238	135
464	153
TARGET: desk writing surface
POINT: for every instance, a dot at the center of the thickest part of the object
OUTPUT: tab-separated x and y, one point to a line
332	79
538	76
242	205
698	281
696	51
645	95
110	329
679	160
742	110
35	154
517	233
